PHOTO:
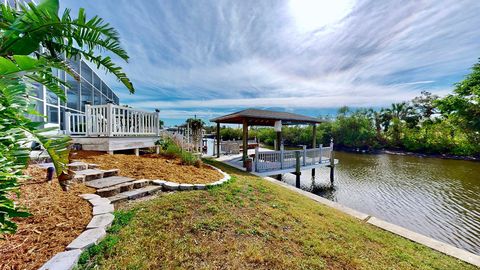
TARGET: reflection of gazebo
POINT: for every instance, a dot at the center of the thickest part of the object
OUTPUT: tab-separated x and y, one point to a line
254	117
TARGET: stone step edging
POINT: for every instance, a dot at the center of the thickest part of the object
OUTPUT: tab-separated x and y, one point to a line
173	186
102	218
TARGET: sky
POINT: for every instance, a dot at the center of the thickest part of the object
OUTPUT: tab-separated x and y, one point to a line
207	58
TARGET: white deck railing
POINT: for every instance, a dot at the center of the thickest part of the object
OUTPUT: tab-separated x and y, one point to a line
112	120
287	159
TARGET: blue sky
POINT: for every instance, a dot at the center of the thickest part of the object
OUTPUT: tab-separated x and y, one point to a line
207	58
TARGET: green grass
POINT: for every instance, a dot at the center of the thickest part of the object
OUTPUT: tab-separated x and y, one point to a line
91	257
250	223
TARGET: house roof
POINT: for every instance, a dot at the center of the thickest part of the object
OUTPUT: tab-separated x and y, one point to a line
265	118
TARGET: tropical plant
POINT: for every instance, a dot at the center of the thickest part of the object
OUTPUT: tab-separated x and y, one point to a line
354	129
463	106
33	41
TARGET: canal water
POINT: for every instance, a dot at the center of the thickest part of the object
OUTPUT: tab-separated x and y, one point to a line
439	198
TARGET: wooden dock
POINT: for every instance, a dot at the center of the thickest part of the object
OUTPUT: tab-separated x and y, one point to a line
285	161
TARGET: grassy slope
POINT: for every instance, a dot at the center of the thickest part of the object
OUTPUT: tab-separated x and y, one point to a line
253	224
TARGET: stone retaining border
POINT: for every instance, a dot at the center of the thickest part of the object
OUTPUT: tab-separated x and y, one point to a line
434	244
102	218
172	186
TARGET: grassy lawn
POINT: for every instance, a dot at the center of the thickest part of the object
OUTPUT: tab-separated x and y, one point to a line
250	223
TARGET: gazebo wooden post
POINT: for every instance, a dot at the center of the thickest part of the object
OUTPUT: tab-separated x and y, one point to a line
279	146
314	143
218	139
279	140
245	141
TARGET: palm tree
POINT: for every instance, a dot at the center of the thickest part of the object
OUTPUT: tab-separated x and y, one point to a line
22	33
397	114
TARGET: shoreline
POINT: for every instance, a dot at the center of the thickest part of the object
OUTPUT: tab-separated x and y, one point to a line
407	153
394	152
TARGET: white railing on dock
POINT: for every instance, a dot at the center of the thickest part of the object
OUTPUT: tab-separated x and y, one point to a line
112	120
285	159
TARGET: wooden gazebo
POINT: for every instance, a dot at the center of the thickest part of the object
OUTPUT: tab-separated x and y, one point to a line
280	161
255	117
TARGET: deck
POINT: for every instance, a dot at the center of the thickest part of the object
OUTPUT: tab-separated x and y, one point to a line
268	162
112	127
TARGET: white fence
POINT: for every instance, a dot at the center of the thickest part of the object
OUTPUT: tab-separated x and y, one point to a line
279	160
112	120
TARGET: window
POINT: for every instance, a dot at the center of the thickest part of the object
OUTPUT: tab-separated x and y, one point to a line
39	108
37	90
110	94
97	82
61	76
104	88
52	98
116	100
75	64
73	96
98	98
86	72
62	119
52	114
87	96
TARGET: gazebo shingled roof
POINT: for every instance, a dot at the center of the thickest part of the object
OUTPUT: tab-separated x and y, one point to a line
265	118
255	117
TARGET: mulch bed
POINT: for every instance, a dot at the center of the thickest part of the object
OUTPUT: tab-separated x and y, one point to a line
57	218
151	166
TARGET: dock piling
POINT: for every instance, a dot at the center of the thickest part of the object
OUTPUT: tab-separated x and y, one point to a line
297	169
332	164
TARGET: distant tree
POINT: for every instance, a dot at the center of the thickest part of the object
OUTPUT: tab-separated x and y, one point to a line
400	115
463	106
425	104
354	129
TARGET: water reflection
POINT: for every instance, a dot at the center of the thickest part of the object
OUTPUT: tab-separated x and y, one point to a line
435	197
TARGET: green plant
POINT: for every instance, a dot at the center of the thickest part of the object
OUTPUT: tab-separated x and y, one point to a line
22	33
188	158
172	151
91	257
462	106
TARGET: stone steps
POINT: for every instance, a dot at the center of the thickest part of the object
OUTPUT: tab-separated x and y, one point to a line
108	182
110	186
134	194
80	166
90	174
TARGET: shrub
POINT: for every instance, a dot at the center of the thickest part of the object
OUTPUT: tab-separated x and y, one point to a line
171	149
188	158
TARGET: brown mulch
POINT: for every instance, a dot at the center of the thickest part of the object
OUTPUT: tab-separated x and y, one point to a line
57	218
151	166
